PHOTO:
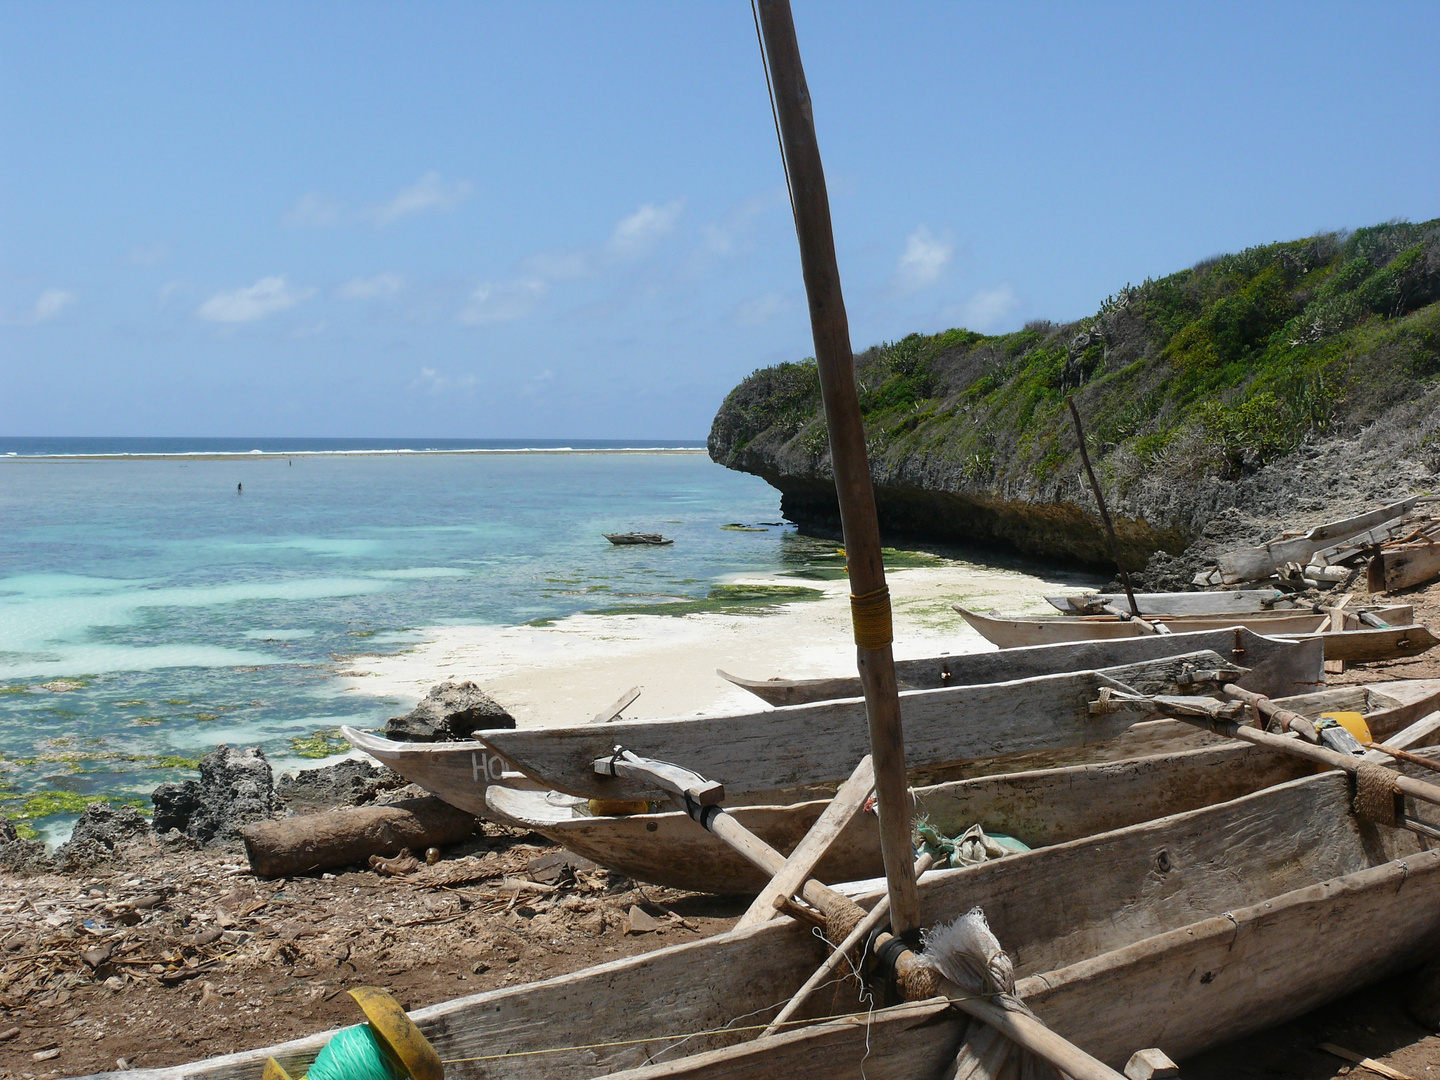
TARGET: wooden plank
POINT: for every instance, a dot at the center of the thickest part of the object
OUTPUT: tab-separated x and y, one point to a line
1252	564
1366	646
623	702
1377	1067
817	744
801	863
1241	646
1404	567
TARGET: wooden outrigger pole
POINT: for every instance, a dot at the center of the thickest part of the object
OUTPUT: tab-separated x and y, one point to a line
870	598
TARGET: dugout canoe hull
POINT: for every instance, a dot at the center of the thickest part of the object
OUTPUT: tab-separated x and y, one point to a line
1240	925
788	754
1013	632
1224	602
1238	645
1039	807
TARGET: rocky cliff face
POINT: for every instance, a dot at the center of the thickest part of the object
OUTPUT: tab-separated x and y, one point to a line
1213	400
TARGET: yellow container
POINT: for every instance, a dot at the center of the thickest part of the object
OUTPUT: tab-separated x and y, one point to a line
1352	722
618	807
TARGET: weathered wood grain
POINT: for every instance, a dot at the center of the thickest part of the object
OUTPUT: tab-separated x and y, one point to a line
1403	567
1223	602
1252	564
1013	632
800	864
818	744
1239	646
1054	909
1365	646
1038	807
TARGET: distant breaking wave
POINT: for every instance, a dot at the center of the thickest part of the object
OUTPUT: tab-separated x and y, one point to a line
101	447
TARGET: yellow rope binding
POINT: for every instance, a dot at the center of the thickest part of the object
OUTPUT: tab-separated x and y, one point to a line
870	615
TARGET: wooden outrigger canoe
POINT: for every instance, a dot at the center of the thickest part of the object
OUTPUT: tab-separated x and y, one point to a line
1181	932
799	751
1038	807
1009	632
1239	646
461	772
1226	602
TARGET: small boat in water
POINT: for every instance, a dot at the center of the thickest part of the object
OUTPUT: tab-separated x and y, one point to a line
623	539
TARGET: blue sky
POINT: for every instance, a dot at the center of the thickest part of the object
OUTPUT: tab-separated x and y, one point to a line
567	220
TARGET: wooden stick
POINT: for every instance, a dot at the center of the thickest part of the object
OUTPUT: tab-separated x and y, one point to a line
876	917
1404	755
1148	627
1104	513
623	702
1364	1062
1212	714
848	802
1026	1031
853	488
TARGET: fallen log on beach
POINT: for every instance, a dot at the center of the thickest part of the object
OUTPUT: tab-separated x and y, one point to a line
303	845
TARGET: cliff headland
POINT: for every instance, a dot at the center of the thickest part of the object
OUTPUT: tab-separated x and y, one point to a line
1284	381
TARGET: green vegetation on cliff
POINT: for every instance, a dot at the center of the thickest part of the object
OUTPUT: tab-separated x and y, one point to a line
1213	371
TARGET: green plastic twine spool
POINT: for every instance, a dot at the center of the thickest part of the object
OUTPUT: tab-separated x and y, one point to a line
355	1054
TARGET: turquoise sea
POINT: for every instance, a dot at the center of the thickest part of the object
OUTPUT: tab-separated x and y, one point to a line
151	606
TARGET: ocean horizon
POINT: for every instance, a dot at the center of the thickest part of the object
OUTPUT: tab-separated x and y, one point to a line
186	446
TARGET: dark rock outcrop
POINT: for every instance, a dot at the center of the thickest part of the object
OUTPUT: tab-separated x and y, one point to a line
450	711
351	782
18	855
102	829
236	787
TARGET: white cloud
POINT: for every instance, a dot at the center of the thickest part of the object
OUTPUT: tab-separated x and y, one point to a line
924	259
149	254
988	309
381	285
315	210
433	382
502	301
265	297
430	192
760	309
51	303
639	232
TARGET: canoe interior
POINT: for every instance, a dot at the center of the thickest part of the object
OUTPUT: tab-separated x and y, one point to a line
787	751
1038	807
1051	908
1239	646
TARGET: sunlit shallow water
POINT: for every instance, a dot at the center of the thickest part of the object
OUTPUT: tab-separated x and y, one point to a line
153	606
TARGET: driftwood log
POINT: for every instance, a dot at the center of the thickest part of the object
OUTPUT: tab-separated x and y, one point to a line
302	845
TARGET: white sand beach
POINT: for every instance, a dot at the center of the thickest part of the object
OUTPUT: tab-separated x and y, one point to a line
567	672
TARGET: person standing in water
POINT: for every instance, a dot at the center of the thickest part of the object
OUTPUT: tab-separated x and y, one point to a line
239	489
